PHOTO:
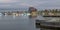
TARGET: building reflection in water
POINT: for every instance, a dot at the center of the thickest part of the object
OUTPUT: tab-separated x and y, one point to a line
14	17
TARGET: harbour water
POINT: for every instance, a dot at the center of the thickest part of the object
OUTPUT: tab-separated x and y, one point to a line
17	23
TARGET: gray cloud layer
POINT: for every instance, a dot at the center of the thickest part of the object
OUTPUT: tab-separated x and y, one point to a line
40	4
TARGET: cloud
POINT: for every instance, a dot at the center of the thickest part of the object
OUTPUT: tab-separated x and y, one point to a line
5	5
50	3
32	3
27	3
7	1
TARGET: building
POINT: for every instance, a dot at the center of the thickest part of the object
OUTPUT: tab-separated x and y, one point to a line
32	11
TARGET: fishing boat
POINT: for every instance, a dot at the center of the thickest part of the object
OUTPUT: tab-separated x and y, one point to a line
53	24
50	16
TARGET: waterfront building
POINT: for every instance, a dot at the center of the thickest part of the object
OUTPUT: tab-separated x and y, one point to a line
16	14
32	11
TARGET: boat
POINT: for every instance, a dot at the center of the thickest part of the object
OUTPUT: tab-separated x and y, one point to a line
50	16
53	24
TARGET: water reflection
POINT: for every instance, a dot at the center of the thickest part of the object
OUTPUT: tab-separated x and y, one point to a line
14	17
16	23
19	23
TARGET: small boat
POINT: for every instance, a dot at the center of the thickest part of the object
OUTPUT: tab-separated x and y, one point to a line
51	16
53	24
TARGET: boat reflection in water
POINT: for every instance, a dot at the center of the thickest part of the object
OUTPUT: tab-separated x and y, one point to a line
53	24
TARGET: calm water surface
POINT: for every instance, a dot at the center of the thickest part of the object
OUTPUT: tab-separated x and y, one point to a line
17	23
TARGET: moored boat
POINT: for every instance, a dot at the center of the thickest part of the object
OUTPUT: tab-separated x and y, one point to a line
50	16
49	24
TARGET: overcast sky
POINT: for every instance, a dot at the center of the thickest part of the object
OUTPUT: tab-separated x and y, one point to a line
40	4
